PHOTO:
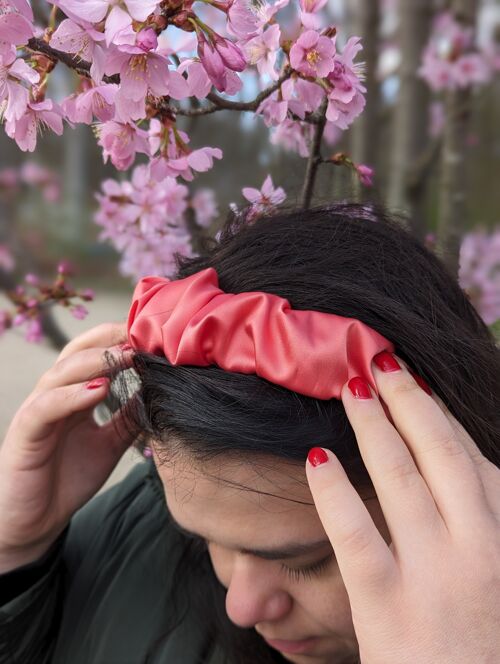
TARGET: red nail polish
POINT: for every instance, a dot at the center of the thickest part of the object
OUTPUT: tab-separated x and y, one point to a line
421	382
359	388
317	456
125	346
97	382
386	362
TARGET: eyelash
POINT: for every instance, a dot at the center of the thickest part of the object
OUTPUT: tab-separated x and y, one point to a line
298	573
294	573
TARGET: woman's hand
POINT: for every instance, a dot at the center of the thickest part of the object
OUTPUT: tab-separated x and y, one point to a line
433	595
55	457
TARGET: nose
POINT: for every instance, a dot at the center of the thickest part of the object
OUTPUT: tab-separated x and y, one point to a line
254	594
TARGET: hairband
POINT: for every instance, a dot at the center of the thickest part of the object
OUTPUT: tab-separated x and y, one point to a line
192	321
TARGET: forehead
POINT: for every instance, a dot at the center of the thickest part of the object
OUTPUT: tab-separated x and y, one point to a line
235	502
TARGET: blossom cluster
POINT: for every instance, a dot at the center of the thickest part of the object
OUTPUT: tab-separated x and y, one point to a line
33	297
31	174
143	65
479	273
452	59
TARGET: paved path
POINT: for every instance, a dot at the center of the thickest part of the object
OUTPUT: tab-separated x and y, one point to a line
22	364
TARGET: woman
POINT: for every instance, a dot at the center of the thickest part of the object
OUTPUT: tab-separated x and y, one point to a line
227	545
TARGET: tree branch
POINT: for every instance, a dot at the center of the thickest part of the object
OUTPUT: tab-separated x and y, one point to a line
314	158
82	67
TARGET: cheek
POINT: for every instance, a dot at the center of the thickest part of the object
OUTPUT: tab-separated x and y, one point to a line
326	602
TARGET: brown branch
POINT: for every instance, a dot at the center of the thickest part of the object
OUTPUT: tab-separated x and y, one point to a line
314	158
81	67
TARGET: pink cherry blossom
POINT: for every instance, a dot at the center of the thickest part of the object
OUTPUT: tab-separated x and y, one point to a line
346	98
94	11
312	54
471	69
34	331
479	272
16	23
309	10
96	102
273	109
47	180
37	116
73	38
82	41
451	59
365	174
247	18
304	96
79	311
218	60
262	51
198	82
13	73
293	136
147	40
120	142
144	220
205	206
231	54
266	196
142	74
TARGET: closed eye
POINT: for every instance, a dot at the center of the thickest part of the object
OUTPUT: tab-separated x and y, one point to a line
307	572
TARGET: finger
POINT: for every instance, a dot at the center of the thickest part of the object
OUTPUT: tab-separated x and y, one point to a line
105	335
488	472
407	504
84	365
439	454
365	561
120	431
37	418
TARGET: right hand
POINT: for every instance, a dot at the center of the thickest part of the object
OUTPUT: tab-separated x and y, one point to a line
55	457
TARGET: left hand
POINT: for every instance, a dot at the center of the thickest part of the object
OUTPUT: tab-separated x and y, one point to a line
433	595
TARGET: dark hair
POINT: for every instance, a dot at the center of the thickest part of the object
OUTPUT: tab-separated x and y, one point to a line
347	259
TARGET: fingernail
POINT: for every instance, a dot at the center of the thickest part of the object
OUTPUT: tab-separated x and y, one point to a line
359	388
386	362
421	382
97	382
317	456
125	346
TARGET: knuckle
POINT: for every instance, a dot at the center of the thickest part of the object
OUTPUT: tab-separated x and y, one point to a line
34	409
444	441
356	539
406	385
402	473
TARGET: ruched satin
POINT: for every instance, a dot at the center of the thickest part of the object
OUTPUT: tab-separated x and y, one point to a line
192	321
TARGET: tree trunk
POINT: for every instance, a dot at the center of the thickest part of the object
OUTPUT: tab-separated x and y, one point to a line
364	136
411	115
453	191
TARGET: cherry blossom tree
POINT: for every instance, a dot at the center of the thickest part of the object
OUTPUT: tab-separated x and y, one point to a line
145	69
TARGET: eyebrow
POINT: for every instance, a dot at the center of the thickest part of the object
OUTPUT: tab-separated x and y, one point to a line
292	550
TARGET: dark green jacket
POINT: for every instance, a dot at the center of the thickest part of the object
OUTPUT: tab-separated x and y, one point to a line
104	591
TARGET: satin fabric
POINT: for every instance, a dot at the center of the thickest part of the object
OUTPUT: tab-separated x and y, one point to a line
192	321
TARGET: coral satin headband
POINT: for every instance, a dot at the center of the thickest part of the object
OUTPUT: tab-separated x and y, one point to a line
192	321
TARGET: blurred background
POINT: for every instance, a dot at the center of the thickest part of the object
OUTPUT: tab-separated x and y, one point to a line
47	199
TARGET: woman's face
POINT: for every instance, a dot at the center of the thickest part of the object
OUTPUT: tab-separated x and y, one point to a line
262	532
